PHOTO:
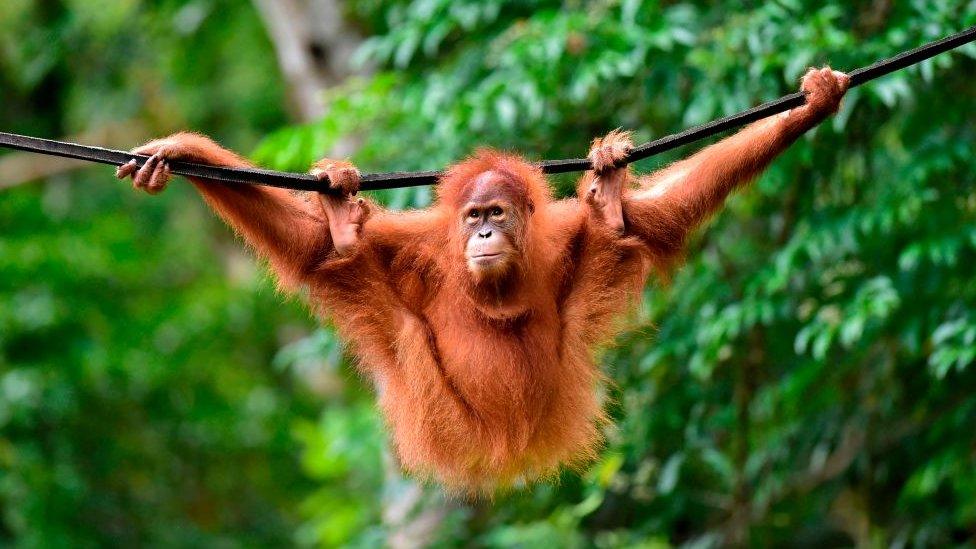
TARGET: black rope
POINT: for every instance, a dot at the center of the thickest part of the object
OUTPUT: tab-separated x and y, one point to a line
391	180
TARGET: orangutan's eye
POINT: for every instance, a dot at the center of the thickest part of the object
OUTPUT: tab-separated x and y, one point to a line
474	214
496	212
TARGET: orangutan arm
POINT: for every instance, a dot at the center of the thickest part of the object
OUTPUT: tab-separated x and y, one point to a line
292	233
670	203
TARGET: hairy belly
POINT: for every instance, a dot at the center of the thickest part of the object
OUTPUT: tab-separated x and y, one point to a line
508	407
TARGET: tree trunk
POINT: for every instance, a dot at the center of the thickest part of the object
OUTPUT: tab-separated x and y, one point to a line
313	45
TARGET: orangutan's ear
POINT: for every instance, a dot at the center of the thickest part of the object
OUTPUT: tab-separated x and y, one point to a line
531	206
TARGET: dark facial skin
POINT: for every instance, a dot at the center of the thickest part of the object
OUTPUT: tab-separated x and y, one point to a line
492	222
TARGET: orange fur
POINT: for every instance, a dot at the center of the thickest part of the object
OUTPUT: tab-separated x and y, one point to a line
485	388
485	391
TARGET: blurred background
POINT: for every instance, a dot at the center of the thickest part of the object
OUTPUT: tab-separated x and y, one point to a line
808	379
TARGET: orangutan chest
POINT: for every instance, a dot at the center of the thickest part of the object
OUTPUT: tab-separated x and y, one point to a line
488	359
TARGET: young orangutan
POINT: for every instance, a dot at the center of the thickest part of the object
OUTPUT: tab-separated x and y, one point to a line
477	318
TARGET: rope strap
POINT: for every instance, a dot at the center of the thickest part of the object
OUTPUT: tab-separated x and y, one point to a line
374	181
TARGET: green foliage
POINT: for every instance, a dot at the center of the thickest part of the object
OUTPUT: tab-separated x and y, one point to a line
807	378
136	398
